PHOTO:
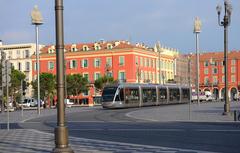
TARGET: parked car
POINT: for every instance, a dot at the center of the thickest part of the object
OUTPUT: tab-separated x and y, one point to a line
30	102
68	103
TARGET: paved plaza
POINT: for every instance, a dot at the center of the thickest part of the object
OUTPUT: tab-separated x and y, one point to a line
31	141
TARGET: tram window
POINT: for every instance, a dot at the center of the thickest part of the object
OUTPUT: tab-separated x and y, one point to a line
185	94
149	95
119	96
162	94
174	94
108	94
131	95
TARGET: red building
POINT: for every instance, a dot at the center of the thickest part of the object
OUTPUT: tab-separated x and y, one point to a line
120	59
212	73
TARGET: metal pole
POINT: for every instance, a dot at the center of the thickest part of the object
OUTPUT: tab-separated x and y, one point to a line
159	64
197	66
22	98
190	89
38	67
6	64
61	131
2	57
227	104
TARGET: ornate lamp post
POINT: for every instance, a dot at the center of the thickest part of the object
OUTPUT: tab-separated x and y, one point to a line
158	46
197	30
225	23
37	20
61	131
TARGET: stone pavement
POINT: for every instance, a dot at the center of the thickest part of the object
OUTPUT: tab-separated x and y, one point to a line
204	112
32	141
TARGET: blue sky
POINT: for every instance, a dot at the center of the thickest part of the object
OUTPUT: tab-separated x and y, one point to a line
147	21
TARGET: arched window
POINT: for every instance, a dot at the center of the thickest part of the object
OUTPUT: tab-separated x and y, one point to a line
74	48
97	46
85	48
109	46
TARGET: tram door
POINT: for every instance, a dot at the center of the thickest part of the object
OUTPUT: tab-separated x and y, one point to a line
174	95
132	98
149	96
185	95
162	95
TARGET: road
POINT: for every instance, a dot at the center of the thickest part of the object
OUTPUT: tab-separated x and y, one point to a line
114	125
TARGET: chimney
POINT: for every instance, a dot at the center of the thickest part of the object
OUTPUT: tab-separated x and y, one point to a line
1	43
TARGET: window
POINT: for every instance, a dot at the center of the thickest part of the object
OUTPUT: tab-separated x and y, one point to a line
74	48
85	48
73	64
86	75
96	75
162	95
149	95
50	65
27	66
121	76
141	61
206	63
85	63
215	71
223	79
109	46
136	60
174	94
19	66
233	69
109	61
233	62
132	95
97	47
27	54
121	60
206	80
233	78
206	71
35	66
215	80
145	62
97	62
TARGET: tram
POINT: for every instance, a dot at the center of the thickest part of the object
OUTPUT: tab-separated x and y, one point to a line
138	95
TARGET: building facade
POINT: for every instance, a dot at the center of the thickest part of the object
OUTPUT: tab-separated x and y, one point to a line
212	74
120	59
19	55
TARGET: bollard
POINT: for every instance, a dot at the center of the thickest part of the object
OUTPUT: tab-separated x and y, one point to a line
235	115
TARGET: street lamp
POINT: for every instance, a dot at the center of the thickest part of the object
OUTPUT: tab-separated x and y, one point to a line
158	46
37	20
225	23
61	131
197	30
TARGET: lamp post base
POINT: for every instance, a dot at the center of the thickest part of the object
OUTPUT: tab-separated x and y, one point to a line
62	150
226	109
61	140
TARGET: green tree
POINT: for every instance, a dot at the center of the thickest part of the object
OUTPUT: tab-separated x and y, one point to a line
101	82
76	84
15	88
47	86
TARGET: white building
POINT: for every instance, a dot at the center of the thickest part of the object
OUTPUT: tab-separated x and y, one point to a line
19	56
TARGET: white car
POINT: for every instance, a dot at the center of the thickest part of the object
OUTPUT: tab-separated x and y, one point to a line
68	103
